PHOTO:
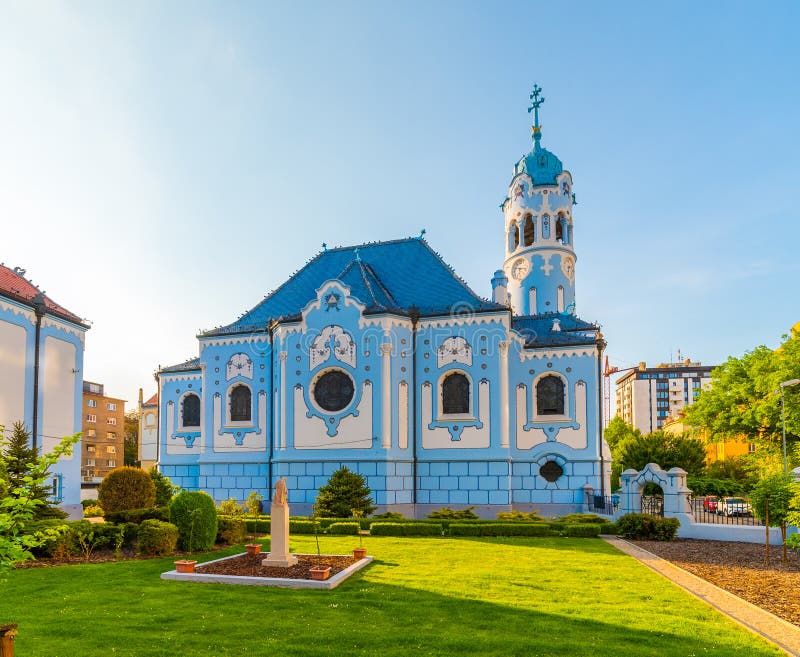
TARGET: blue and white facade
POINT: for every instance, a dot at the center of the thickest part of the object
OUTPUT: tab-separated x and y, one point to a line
380	358
41	380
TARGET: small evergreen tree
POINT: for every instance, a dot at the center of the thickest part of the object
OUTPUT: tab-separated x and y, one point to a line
19	460
165	489
345	491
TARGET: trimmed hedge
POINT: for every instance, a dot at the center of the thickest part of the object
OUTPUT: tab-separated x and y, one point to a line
258	526
581	518
405	529
303	526
231	531
126	488
582	530
195	515
645	527
344	528
157	538
138	516
609	528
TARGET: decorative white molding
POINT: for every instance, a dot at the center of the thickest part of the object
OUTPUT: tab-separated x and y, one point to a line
549	354
17	310
52	322
168	378
239	339
467	320
576	438
239	365
386	395
568	267
386	322
503	347
454	349
344	350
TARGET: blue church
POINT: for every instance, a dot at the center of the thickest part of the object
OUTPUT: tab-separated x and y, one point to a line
379	357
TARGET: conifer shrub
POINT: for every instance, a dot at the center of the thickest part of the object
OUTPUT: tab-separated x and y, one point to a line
195	515
519	516
165	489
157	538
126	488
344	528
345	492
231	531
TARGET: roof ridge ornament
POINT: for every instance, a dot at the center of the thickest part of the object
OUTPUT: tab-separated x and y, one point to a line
536	102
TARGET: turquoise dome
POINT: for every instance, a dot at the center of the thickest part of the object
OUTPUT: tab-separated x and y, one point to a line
540	164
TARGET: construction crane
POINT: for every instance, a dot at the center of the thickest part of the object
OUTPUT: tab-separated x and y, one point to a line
607	372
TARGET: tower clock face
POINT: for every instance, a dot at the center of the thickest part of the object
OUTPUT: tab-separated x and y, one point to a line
520	269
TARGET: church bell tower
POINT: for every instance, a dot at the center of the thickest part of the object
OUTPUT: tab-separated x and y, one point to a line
538	274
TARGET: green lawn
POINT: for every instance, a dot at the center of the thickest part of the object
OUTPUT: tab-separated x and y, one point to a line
426	596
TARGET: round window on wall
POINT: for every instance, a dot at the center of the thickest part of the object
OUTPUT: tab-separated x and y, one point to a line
551	471
333	391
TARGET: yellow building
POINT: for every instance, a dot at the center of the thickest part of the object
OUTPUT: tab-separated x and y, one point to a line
103	437
729	449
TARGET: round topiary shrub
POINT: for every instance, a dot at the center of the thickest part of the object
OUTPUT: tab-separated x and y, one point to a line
195	516
157	538
126	488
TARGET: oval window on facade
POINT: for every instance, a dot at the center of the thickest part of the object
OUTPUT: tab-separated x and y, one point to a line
551	471
334	391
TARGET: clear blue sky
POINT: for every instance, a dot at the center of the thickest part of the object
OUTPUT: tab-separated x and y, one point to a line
165	165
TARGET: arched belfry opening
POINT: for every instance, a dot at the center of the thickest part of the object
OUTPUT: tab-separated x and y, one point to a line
529	230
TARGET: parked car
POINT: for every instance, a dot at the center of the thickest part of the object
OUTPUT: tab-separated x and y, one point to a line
734	506
710	503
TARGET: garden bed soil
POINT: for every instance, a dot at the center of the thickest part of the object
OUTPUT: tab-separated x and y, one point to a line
249	565
739	568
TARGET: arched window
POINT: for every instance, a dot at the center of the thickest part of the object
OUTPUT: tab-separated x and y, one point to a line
241	404
550	396
190	414
560	227
455	394
529	231
546	227
560	298
532	301
513	236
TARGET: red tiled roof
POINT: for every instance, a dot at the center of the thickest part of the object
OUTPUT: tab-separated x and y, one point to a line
14	285
152	401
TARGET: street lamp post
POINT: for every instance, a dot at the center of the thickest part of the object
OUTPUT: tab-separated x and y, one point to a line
785	384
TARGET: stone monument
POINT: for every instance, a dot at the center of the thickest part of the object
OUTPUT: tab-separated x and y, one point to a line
279	555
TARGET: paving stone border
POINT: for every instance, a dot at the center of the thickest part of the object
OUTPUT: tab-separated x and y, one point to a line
282	582
783	634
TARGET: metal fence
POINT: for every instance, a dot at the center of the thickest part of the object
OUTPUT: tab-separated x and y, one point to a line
604	505
713	511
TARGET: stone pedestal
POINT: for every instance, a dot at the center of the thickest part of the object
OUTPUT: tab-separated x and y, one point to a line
279	555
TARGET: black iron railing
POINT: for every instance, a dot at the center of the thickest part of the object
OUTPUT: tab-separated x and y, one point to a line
719	512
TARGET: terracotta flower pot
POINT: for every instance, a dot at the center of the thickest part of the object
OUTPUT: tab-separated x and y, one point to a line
360	552
253	548
185	565
320	572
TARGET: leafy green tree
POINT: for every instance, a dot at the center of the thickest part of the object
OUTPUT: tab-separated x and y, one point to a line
131	433
665	449
165	489
345	491
617	432
779	490
743	400
19	506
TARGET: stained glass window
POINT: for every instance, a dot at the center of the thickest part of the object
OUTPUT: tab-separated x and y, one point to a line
455	394
333	391
191	411
550	396
241	402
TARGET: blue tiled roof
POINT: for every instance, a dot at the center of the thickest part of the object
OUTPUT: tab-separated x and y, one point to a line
186	366
537	330
397	275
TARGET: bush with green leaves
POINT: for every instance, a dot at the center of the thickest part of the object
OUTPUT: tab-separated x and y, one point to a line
389	515
303	526
582	530
648	528
446	513
195	515
501	529
345	491
126	488
519	516
345	528
793	541
231	530
93	511
258	526
165	489
157	538
581	518
138	516
231	507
